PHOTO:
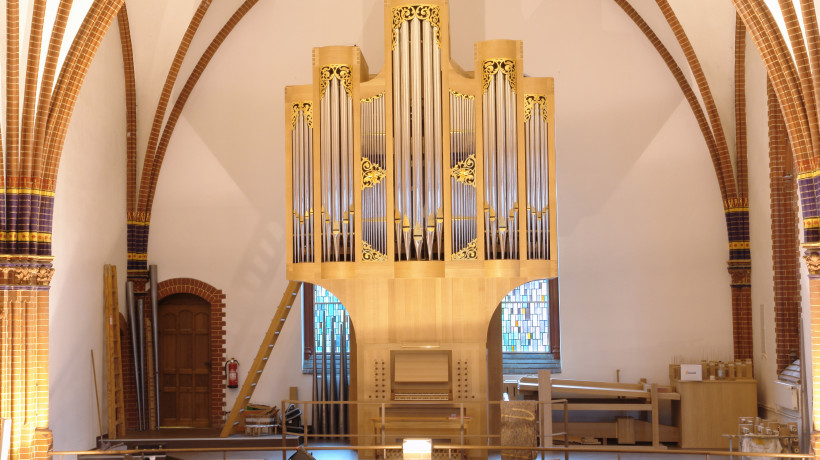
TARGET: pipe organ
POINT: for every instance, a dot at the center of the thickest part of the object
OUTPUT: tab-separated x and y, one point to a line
420	196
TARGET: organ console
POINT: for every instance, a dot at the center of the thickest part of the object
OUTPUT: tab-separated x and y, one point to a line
420	196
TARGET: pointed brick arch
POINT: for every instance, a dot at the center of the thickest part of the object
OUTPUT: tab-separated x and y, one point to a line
216	298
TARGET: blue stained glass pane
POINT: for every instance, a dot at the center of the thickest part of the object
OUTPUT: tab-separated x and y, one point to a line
326	307
525	310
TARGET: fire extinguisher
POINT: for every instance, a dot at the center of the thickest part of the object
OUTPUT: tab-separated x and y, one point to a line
232	372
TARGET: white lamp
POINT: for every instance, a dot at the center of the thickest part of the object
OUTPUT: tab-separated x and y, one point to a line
417	449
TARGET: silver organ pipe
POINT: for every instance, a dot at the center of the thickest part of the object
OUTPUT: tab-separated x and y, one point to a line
500	160
337	164
462	175
537	157
417	138
302	176
353	141
374	219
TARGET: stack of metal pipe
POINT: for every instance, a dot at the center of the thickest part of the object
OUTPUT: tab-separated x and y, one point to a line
537	155
462	180
417	148
302	150
500	168
136	318
336	165
374	217
331	378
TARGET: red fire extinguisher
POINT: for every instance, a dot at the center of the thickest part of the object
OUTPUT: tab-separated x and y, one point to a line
232	372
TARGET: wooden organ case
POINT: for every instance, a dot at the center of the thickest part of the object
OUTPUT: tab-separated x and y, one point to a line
420	196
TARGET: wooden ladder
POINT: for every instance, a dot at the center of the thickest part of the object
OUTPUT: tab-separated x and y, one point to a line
255	371
113	355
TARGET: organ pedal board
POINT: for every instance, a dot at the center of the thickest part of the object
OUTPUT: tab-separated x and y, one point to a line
255	371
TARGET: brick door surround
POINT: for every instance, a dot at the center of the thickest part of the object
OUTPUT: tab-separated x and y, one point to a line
217	352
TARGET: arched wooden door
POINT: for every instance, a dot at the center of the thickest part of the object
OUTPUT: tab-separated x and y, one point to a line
184	361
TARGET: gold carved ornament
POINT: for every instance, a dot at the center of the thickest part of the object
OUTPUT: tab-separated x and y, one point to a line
813	262
307	108
529	102
429	13
372	173
464	171
340	71
375	98
462	96
493	66
370	254
469	252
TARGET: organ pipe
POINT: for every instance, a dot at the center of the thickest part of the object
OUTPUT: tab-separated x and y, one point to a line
334	395
500	160
352	163
537	152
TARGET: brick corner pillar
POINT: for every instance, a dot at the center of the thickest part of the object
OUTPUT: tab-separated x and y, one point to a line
812	258
741	273
24	323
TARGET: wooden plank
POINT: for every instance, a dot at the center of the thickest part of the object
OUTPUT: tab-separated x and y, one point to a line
655	430
113	369
625	429
594	384
544	406
566	391
610	406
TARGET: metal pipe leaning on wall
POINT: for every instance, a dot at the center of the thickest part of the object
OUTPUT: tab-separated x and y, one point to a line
152	273
132	319
141	380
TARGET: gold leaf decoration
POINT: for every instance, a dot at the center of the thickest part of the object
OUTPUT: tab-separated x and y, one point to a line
529	102
340	71
493	66
429	13
375	98
372	173
468	252
307	108
370	254
464	171
462	96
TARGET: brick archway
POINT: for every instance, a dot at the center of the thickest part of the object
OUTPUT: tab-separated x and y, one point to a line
216	298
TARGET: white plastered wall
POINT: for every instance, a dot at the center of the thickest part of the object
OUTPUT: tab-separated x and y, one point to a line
89	232
642	235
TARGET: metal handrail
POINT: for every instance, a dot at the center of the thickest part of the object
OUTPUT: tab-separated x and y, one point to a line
604	449
461	446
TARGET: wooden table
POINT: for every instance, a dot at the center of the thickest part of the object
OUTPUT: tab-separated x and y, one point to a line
709	409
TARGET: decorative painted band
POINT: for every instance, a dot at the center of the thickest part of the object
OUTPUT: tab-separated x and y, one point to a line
739	245
13	287
27	191
26	236
812	222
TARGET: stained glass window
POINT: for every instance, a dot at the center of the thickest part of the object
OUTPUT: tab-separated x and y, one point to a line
326	308
525	319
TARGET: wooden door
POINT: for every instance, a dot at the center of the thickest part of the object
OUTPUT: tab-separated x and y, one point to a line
184	361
